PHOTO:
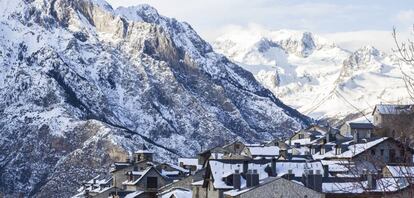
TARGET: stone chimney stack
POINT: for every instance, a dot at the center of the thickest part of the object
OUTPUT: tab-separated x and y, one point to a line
313	180
252	178
273	166
245	166
371	181
237	180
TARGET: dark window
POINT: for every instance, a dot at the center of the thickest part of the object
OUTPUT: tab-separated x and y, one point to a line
152	182
392	155
372	152
237	146
382	152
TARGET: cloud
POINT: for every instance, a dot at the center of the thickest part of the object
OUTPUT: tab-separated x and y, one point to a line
354	40
351	23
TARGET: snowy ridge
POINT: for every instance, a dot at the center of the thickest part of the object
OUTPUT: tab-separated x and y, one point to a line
316	76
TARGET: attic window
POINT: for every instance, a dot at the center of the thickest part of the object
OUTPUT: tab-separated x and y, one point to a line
152	182
237	146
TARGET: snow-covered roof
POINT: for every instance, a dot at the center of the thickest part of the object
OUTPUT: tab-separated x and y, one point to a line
178	192
337	165
264	151
134	194
178	168
401	171
382	185
363	119
198	183
139	173
393	109
144	151
304	141
362	122
219	170
352	149
236	192
222	169
190	162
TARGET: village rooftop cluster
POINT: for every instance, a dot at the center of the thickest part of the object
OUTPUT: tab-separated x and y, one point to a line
366	157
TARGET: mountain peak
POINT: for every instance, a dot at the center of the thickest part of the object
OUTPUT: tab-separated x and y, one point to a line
143	12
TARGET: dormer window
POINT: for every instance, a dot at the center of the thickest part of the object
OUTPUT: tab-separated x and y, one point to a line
312	150
322	150
338	150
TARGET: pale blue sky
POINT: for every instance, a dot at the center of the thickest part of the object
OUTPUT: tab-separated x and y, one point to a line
362	20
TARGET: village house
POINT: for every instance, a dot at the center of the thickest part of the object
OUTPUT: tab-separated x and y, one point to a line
392	120
361	127
145	182
224	175
274	187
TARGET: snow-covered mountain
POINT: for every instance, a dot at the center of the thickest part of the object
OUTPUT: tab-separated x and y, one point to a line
82	83
315	75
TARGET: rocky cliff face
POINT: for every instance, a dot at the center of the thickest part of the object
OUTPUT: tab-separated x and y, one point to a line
83	84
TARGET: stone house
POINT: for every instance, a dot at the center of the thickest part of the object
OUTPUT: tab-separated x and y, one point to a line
147	181
361	127
372	154
393	120
274	187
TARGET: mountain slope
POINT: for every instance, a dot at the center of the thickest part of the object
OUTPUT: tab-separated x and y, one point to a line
82	84
314	75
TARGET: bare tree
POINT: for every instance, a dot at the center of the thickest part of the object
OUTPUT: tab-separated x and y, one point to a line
405	51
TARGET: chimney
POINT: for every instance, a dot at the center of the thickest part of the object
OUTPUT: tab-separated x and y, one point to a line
255	178
325	171
245	166
289	175
313	181
252	178
364	175
249	178
236	179
318	181
273	166
372	183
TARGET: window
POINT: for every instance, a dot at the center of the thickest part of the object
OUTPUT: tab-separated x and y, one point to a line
237	146
382	152
152	182
372	152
